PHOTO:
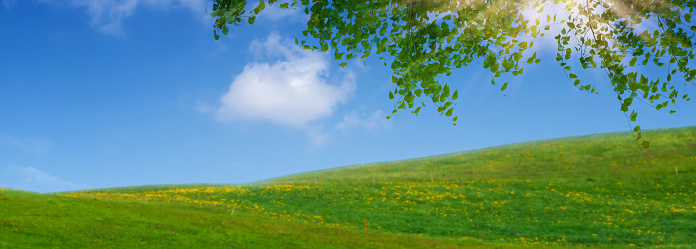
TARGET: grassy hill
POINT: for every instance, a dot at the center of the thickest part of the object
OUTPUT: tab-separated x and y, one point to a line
599	190
31	220
600	155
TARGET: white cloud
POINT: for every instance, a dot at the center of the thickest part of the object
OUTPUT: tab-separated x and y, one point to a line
36	146
292	91
107	16
8	3
32	179
318	137
203	108
372	122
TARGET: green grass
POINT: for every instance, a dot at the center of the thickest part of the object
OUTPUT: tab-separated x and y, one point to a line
51	221
599	190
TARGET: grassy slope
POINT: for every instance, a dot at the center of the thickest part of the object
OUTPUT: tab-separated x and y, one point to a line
592	190
50	221
602	155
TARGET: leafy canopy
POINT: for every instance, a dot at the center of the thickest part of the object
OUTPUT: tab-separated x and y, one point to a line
428	38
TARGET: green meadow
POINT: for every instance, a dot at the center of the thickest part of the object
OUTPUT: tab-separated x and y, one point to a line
590	191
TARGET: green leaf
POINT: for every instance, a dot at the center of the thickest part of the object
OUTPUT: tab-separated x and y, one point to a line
637	128
324	47
391	95
455	119
445	91
456	95
572	76
633	116
646	144
449	112
504	87
626	103
343	64
568	53
284	5
259	8
531	59
522	45
633	61
345	41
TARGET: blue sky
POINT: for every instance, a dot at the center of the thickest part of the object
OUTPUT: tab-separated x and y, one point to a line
99	94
